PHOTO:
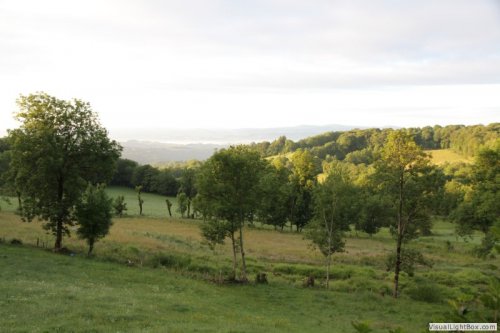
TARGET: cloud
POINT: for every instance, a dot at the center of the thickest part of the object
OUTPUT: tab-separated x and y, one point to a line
148	51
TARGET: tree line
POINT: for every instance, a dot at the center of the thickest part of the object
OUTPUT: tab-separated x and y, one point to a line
59	159
359	145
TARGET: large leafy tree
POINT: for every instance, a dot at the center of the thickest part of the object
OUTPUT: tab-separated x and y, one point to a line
335	207
228	191
58	149
405	176
275	187
305	168
480	209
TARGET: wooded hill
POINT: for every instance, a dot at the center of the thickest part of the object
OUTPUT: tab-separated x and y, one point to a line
358	145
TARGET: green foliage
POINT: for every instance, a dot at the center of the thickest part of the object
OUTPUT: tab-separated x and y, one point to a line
491	300
59	147
187	186
182	201
361	327
228	190
335	208
405	176
275	189
119	205
124	172
375	212
305	169
214	232
93	214
480	209
426	292
410	258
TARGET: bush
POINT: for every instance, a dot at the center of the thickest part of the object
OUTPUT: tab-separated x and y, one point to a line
429	293
171	261
16	241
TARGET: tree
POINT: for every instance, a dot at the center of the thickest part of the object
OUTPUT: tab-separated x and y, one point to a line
93	213
275	196
187	186
374	214
228	191
124	172
169	207
480	209
59	148
334	210
403	173
119	205
182	203
138	189
303	179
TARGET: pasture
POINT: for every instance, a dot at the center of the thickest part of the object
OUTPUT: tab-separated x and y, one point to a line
442	156
156	274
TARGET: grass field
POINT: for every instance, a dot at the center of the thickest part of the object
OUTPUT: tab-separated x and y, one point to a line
168	287
441	156
154	204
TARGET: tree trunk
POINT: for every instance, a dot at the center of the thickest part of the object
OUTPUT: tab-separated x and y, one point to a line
58	244
328	270
60	218
19	201
243	264
398	267
233	243
400	238
189	208
91	247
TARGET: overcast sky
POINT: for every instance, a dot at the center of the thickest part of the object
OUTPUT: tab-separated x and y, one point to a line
233	63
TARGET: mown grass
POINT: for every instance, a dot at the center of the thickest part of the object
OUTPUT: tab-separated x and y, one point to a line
154	204
441	156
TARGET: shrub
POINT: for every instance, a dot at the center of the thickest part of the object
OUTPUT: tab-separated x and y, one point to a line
16	241
429	293
171	261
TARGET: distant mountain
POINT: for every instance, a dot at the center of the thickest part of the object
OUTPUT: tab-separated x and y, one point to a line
222	136
146	152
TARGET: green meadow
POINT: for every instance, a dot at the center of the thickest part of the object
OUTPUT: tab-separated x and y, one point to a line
155	274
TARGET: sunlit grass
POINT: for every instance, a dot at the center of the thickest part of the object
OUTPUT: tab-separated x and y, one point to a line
441	156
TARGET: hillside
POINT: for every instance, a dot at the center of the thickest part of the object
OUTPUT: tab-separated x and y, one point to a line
168	286
456	142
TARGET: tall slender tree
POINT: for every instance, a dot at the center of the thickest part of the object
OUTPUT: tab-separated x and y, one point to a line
404	173
335	208
228	191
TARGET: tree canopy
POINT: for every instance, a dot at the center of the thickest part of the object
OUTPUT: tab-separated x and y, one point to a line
59	148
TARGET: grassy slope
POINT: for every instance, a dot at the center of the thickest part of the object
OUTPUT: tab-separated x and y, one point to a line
50	291
47	292
154	204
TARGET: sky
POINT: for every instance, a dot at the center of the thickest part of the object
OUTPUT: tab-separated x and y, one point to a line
261	63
